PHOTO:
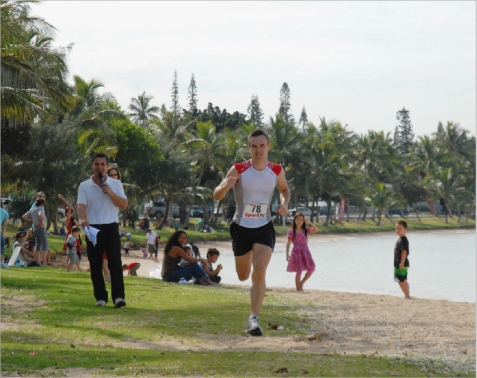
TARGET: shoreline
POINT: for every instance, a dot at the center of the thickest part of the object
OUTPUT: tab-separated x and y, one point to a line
148	266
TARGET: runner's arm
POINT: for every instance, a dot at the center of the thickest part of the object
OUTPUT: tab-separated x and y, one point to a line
282	208
228	183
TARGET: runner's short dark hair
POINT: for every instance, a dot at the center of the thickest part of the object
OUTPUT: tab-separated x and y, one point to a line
256	133
402	223
100	155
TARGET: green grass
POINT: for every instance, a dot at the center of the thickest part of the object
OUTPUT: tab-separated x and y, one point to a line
427	223
51	315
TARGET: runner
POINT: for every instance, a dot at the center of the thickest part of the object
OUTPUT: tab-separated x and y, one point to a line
251	229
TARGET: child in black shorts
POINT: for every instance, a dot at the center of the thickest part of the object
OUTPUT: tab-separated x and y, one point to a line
401	261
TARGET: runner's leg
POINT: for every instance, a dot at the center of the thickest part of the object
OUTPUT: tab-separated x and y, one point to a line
243	266
261	256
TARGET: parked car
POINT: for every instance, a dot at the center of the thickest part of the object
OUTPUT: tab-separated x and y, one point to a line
398	212
60	214
158	209
323	210
306	211
197	212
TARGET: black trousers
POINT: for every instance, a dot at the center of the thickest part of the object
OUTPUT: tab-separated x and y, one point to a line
109	242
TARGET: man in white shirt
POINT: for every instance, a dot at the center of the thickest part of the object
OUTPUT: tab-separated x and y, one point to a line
99	201
150	239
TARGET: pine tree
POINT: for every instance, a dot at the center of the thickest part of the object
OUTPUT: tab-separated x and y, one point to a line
396	135
254	112
192	96
406	135
285	106
303	118
175	108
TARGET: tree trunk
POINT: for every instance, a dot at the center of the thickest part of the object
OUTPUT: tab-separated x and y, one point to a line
347	211
436	208
164	218
312	219
359	214
216	216
187	221
205	212
328	213
131	216
417	212
373	217
379	223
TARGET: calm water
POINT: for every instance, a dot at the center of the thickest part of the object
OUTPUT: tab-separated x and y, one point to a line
443	265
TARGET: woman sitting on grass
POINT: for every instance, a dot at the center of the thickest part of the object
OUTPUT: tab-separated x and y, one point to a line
173	252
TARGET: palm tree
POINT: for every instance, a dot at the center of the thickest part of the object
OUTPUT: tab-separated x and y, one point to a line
284	140
449	185
381	198
377	156
328	161
233	149
91	115
33	71
141	111
174	172
425	157
453	139
205	146
170	128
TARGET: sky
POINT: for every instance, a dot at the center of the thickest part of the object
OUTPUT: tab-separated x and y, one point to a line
354	62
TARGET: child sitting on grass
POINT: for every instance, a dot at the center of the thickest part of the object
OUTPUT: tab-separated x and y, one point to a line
401	262
188	251
212	257
132	268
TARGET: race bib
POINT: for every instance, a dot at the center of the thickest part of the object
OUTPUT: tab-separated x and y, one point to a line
255	210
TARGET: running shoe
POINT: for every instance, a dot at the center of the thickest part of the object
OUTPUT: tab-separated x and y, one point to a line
119	302
252	326
101	303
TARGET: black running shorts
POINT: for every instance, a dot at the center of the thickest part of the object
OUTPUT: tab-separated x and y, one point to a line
244	238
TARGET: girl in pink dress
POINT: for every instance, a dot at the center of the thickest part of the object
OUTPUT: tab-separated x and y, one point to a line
300	258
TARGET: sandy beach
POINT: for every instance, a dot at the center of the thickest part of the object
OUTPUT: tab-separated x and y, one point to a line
348	323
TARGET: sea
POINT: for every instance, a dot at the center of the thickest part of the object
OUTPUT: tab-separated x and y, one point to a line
442	265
